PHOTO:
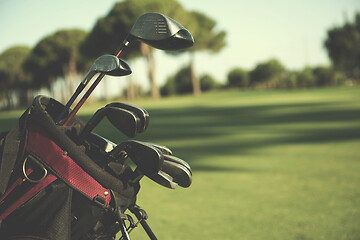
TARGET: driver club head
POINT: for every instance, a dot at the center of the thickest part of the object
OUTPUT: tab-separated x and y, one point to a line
162	32
141	113
109	65
124	120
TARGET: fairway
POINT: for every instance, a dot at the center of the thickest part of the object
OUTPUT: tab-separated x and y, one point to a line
277	164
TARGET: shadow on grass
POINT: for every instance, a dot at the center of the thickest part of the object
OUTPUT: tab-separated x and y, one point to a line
209	131
206	129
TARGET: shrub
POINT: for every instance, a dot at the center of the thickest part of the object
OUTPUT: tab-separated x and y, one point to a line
238	77
169	87
207	82
306	78
267	73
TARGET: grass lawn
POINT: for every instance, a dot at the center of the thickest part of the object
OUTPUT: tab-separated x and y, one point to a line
266	164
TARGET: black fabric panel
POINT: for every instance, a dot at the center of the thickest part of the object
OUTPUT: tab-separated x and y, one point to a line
16	194
46	215
2	140
13	150
85	215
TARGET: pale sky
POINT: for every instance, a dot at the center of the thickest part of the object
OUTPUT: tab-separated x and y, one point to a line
293	31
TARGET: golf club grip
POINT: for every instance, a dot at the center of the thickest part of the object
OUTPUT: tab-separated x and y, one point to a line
144	225
83	99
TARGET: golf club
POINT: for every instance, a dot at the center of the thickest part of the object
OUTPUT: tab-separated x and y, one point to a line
160	31
141	113
100	142
163	179
165	150
124	120
180	174
106	64
148	159
177	160
154	29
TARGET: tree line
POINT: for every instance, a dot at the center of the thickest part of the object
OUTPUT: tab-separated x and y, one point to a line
270	74
342	45
68	53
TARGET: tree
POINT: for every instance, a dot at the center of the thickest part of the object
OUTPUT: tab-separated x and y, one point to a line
208	82
56	55
182	81
343	47
238	77
179	83
207	38
267	73
169	87
111	30
306	78
12	74
289	80
325	76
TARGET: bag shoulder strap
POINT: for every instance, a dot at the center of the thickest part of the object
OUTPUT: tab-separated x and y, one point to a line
64	167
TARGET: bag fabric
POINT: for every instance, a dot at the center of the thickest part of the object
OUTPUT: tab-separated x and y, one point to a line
52	184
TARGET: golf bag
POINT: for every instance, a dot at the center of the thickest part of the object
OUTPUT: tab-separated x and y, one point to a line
54	185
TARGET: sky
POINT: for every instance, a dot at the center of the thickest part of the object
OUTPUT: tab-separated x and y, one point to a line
292	31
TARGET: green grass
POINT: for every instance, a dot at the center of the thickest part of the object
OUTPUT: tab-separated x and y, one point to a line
266	164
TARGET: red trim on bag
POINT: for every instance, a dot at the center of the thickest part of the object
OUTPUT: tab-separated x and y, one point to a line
42	146
28	195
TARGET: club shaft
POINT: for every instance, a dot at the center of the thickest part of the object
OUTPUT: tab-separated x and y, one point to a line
83	99
68	104
91	89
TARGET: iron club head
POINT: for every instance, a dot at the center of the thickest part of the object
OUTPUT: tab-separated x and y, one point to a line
148	159
124	120
163	179
100	142
165	150
177	160
180	174
141	113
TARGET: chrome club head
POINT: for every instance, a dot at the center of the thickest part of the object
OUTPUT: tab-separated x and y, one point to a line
109	65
